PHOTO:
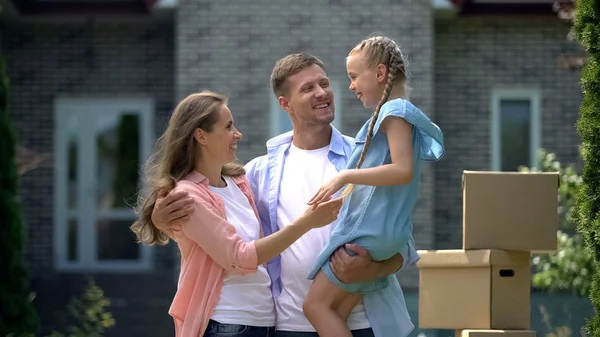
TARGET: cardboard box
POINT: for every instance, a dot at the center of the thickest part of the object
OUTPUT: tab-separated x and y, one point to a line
510	211
474	289
495	333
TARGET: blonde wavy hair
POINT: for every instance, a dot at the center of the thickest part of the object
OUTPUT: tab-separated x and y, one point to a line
175	156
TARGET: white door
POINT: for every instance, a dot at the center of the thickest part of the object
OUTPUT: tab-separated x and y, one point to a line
101	145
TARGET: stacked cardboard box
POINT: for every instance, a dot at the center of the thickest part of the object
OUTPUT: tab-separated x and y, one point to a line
483	290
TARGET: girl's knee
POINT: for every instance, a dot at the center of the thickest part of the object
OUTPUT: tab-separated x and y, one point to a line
315	306
310	308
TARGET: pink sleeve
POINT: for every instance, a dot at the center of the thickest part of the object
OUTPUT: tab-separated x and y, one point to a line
218	238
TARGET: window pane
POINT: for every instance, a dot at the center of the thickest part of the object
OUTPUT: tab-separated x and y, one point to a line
515	126
72	240
116	241
72	161
118	161
118	152
71	189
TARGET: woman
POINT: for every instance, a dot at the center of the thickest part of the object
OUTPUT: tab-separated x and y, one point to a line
223	284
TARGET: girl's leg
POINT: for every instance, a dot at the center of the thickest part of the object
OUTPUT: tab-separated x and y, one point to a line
320	307
347	303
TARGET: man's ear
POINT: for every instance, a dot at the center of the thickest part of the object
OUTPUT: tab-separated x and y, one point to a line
284	103
200	136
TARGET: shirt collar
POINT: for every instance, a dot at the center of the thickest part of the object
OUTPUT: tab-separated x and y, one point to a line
336	142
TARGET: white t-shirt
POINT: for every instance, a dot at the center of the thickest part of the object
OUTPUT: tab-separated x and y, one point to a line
304	172
245	300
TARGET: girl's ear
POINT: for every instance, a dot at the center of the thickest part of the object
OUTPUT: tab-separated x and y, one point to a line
200	136
381	73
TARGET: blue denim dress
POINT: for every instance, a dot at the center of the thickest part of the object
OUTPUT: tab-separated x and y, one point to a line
379	217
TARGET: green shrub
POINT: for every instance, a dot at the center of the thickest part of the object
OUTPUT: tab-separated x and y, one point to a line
587	201
18	314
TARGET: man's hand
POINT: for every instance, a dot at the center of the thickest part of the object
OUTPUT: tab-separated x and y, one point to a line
361	267
352	269
173	206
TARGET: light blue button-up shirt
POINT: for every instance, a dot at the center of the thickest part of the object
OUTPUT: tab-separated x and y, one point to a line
265	174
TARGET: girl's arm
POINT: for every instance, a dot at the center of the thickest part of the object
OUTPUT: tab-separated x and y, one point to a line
400	171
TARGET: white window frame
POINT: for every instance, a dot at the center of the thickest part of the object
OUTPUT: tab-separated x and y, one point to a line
86	237
276	113
534	96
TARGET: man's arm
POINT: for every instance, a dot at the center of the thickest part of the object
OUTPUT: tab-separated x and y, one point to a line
176	205
361	268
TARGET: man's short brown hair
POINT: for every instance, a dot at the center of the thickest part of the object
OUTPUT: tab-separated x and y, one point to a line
289	66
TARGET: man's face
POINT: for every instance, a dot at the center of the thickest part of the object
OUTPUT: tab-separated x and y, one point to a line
309	99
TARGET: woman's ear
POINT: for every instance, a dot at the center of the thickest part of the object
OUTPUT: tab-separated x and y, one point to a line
200	136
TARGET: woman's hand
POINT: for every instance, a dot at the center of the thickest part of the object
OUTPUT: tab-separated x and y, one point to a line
326	191
322	214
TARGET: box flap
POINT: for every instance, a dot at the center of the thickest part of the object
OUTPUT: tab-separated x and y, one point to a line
470	258
494	333
467	174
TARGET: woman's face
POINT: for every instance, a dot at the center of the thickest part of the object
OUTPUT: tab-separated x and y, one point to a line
221	142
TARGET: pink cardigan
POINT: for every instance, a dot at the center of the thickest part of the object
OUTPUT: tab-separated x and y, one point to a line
209	247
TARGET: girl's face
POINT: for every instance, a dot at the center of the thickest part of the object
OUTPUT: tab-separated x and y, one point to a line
367	83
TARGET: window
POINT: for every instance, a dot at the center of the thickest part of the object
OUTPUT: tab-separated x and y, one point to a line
515	125
280	120
100	147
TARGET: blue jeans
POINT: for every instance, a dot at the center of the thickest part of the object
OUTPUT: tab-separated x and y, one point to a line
216	329
355	333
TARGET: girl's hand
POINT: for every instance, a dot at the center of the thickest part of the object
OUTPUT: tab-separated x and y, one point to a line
327	190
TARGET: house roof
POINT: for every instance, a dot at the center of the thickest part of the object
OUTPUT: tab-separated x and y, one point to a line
33	7
507	7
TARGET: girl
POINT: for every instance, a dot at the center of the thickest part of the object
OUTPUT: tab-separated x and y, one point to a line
223	285
383	176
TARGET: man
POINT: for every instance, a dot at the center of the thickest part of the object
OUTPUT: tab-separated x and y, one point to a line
297	163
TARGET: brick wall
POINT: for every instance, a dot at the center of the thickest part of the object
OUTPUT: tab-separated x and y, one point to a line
475	55
227	45
47	60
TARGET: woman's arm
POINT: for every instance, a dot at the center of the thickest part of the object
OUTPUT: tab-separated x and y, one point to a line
272	245
219	239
